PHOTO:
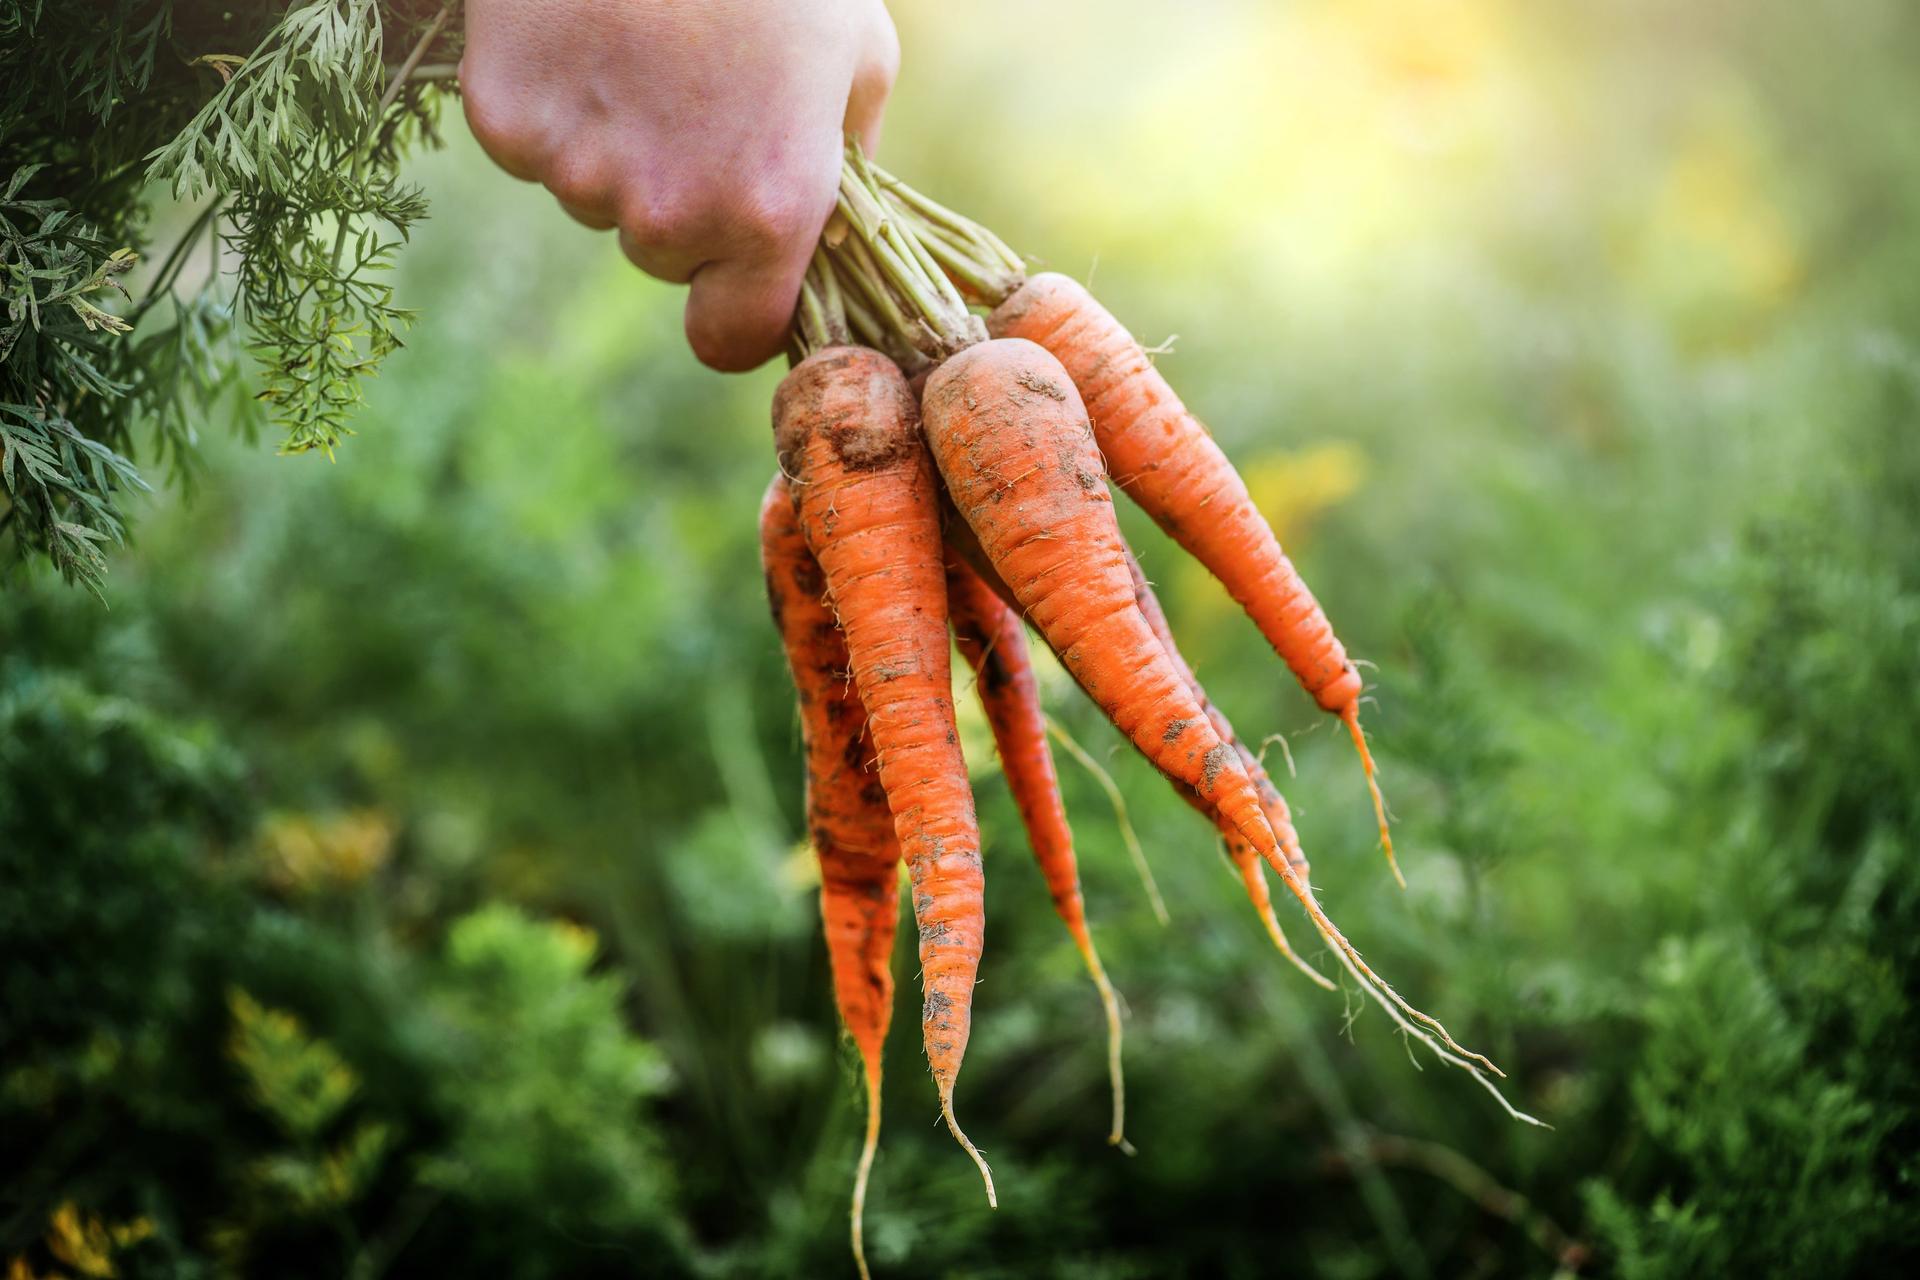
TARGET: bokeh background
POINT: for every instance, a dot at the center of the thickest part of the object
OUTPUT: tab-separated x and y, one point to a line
403	867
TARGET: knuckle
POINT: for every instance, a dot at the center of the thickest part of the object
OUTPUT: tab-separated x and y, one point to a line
495	119
779	211
712	341
575	180
654	221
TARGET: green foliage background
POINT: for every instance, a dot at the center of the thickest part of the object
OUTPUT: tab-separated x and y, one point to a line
399	874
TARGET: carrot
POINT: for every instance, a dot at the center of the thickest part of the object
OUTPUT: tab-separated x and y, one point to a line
1167	462
847	816
991	638
1252	873
962	542
846	429
1012	441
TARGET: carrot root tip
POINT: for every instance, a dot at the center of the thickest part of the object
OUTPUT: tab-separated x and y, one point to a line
1350	716
966	1143
1429	1030
868	1148
1117	1135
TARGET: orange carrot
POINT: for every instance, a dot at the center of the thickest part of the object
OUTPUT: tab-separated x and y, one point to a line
962	542
847	816
847	430
1167	462
994	643
1011	439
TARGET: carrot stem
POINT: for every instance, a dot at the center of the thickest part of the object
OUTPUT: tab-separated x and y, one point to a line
820	318
886	258
809	320
973	254
864	272
896	229
956	264
866	325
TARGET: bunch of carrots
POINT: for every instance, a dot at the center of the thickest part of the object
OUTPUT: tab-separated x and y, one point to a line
944	482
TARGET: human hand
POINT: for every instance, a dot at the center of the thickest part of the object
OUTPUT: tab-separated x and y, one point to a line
709	134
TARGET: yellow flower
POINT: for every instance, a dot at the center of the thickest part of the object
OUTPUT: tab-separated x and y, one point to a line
304	852
1294	489
85	1242
800	869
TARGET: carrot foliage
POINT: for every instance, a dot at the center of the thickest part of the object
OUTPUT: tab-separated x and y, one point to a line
278	131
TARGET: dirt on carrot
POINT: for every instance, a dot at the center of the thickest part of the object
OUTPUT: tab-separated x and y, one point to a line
847	432
1016	464
1165	460
991	638
848	822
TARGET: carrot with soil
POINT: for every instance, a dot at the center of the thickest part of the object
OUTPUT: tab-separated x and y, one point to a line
1165	460
991	638
962	542
1012	442
848	820
846	430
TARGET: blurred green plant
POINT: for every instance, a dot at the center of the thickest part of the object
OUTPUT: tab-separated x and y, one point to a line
301	1082
548	1098
383	744
303	1085
1779	1066
523	1107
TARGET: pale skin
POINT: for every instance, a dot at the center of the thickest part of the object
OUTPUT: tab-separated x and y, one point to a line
707	133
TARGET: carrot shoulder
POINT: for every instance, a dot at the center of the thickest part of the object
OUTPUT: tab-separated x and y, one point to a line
848	821
847	430
1162	456
991	638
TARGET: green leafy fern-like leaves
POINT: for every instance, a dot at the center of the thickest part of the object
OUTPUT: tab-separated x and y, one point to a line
285	124
60	484
310	87
316	217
